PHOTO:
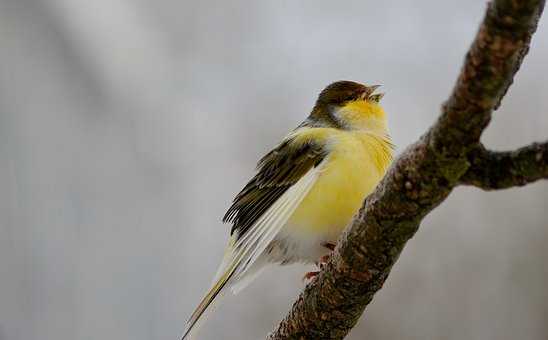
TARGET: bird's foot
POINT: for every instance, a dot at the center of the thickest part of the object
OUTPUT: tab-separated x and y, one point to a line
320	264
308	277
330	246
323	260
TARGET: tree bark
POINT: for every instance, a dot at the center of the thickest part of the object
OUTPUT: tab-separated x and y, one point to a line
447	155
491	170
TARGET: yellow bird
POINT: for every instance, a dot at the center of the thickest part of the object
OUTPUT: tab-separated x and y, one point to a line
306	190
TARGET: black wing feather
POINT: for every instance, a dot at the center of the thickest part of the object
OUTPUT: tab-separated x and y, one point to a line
277	171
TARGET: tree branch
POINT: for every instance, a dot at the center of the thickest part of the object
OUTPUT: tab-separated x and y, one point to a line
491	170
418	181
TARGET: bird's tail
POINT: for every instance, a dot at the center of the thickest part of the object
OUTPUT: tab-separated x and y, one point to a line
213	293
228	274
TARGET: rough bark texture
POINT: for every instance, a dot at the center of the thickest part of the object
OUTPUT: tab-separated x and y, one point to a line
491	170
447	155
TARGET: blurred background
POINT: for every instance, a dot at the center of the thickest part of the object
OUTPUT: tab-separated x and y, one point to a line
126	128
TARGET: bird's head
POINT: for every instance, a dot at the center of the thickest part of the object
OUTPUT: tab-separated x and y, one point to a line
351	106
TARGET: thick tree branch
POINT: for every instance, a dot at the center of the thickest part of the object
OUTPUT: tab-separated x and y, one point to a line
491	170
417	182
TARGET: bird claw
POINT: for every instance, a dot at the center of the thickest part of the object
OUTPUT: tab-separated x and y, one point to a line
330	246
323	261
320	264
310	276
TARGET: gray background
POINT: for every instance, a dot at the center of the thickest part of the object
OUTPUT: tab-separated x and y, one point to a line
126	127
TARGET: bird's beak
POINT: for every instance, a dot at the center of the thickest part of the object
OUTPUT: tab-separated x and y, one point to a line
372	88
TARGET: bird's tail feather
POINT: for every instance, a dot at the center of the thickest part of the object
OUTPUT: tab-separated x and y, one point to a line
207	300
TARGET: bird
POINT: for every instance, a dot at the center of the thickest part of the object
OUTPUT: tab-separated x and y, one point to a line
306	190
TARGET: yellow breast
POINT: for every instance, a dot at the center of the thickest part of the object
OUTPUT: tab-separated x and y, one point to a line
355	165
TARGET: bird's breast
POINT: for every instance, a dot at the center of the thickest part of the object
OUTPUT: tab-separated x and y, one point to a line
354	166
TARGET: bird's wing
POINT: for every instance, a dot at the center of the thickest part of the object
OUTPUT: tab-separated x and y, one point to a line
261	209
285	175
278	171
